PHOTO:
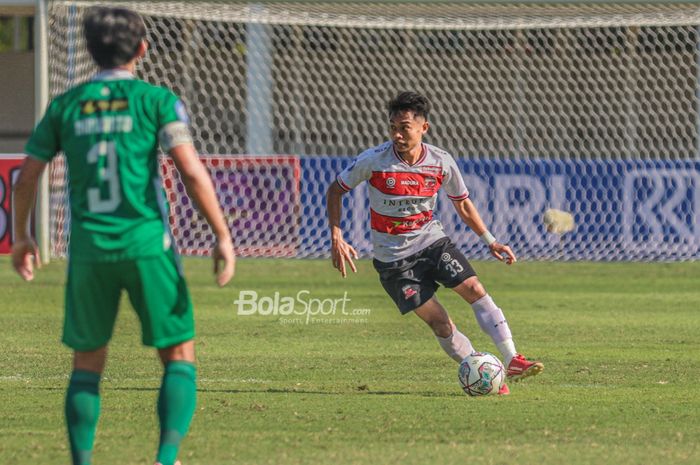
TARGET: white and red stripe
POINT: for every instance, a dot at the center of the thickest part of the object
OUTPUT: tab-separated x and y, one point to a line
402	196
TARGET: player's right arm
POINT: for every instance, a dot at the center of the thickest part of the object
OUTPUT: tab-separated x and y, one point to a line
24	249
41	147
201	189
341	251
358	172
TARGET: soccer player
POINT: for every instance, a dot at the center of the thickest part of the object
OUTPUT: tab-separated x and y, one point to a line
109	129
411	250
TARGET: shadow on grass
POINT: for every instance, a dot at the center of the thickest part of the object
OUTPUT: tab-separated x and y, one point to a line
274	391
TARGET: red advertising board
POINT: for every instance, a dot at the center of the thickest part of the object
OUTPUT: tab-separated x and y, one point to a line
259	195
9	168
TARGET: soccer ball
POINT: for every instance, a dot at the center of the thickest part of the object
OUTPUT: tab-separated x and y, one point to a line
481	374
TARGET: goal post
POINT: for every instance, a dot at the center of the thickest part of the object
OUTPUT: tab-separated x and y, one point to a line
590	108
42	218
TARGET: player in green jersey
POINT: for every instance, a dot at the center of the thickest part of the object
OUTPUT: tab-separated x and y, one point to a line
109	129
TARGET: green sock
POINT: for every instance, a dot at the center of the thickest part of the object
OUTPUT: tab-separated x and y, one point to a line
176	402
82	412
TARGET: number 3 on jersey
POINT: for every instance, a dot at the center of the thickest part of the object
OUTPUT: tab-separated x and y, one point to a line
107	173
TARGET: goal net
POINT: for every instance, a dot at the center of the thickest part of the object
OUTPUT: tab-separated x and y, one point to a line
575	124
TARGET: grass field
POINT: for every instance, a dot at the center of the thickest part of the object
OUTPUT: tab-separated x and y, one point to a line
620	343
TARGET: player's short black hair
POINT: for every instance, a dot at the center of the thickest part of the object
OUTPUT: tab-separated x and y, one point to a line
409	101
113	35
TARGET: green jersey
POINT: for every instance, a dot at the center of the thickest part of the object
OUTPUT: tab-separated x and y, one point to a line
109	129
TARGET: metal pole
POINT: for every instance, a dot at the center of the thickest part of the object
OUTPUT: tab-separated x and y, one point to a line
41	100
259	82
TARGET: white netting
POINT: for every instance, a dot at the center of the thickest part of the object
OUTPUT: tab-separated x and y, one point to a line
592	109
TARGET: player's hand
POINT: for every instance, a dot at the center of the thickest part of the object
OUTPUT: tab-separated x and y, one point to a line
224	262
341	252
25	254
503	253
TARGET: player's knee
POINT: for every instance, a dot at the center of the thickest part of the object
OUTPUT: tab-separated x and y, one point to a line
183	351
473	288
93	360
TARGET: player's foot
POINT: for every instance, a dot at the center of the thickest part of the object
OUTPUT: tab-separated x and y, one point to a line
520	367
503	391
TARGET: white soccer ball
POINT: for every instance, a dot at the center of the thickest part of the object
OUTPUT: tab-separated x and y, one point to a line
481	374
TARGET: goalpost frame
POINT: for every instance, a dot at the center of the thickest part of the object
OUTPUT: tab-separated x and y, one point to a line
257	132
41	99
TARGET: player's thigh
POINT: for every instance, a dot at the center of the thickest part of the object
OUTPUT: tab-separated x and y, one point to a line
451	267
91	301
159	294
407	282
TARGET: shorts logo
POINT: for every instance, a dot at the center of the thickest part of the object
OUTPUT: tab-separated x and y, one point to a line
446	257
408	292
390	183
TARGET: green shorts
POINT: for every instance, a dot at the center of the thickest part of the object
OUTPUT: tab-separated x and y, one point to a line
157	291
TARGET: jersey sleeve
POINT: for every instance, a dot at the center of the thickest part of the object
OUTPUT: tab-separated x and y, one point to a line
454	182
173	122
44	143
355	173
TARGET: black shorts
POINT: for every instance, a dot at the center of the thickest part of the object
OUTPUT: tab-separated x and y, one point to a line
412	281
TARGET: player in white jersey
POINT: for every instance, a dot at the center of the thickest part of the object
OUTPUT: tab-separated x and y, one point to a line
412	253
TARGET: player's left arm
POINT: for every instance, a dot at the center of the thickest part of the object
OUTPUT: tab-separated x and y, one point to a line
200	188
470	215
25	252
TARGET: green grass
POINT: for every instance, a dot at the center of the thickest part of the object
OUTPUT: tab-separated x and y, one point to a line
619	341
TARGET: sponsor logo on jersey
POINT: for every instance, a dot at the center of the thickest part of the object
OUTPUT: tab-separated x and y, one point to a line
399	202
93	106
403	183
437	170
410	224
399	225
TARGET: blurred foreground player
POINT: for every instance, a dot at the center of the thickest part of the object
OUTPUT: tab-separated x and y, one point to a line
109	129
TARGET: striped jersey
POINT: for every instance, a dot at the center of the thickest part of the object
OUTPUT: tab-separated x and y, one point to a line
402	197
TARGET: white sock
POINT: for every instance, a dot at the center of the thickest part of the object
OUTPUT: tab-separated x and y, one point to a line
507	349
457	345
493	322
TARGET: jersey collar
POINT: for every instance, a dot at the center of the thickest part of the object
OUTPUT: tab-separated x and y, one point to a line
418	162
112	75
